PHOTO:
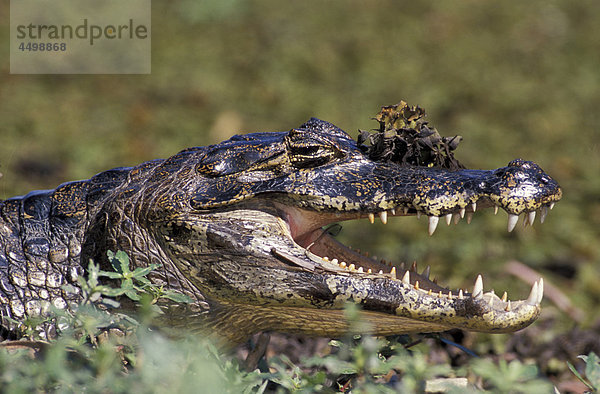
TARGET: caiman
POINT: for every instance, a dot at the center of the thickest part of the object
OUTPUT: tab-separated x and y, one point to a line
241	228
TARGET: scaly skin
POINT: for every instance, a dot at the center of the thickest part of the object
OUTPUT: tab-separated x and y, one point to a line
238	227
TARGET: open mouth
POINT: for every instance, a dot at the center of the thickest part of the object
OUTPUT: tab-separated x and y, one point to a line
308	230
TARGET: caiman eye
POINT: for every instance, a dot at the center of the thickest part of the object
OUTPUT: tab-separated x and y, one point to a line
310	151
305	154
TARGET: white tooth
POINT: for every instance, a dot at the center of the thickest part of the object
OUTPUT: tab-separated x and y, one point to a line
491	301
543	213
406	278
533	295
469	217
512	221
360	269
433	222
380	272
448	219
393	211
352	267
504	296
462	212
495	209
393	273
369	271
383	216
326	258
460	294
456	218
478	288
426	272
551	205
531	217
540	290
371	218
343	264
507	307
474	206
335	261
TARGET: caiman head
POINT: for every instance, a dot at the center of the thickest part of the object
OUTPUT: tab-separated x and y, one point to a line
245	225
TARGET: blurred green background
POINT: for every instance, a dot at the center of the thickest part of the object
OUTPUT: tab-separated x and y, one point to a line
515	79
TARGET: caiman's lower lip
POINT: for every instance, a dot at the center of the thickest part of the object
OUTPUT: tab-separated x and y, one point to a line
330	255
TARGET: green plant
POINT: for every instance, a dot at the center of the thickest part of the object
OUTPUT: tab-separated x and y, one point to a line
510	377
592	371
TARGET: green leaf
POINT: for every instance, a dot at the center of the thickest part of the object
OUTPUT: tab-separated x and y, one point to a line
592	369
177	297
119	261
141	272
111	275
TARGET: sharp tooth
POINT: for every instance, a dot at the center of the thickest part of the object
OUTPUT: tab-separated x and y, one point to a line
512	221
371	218
426	272
495	209
393	211
440	295
533	295
380	272
393	273
417	285
352	267
507	307
406	278
383	216
551	205
460	294
450	294
469	217
430	292
474	206
456	218
360	269
543	213
504	297
462	212
540	290
478	288
531	217
433	222
413	267
448	219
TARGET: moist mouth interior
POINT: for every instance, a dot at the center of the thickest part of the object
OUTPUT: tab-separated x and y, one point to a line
320	242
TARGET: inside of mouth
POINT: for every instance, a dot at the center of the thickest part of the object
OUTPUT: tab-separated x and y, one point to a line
319	242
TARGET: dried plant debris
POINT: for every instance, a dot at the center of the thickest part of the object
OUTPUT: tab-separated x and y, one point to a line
404	137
